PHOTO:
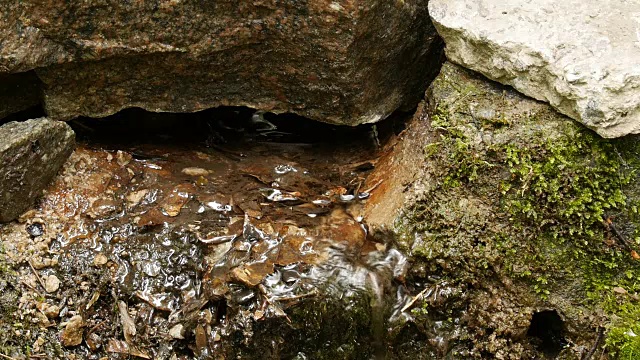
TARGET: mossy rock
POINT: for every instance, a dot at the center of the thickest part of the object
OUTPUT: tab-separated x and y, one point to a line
522	211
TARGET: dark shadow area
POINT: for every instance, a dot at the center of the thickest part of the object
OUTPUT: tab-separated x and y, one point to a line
33	112
546	331
227	126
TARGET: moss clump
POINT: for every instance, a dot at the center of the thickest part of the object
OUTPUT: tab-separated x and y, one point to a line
534	198
624	335
569	183
323	327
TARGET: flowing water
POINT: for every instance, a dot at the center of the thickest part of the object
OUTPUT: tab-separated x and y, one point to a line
206	234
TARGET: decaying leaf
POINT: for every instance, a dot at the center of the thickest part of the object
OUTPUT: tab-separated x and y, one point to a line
177	199
128	326
71	335
94	297
162	302
252	274
121	347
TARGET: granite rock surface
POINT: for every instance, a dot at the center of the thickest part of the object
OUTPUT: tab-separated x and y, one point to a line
342	62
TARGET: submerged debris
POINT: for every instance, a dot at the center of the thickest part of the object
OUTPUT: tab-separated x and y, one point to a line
196	248
71	335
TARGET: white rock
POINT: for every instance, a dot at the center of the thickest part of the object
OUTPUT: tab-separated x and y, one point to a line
177	332
195	171
581	56
100	259
51	283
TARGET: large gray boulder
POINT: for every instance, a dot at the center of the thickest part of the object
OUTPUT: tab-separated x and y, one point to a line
343	62
31	153
580	56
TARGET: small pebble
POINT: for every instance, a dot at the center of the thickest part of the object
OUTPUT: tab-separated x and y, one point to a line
51	311
71	335
51	284
194	171
100	259
123	158
35	230
136	197
176	332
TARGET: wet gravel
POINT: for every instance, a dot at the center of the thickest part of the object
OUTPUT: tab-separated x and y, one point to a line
170	249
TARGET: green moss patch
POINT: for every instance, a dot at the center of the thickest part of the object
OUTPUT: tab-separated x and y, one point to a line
521	195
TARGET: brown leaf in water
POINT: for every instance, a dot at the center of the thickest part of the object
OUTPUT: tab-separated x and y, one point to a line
250	208
215	287
158	301
342	227
336	191
177	199
252	274
294	249
278	195
201	339
152	217
134	198
311	209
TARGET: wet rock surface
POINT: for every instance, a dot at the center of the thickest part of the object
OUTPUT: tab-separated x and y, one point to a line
343	62
262	256
517	223
31	153
576	55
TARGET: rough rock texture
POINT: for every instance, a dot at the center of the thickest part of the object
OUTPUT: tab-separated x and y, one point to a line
346	62
518	223
31	153
580	56
18	92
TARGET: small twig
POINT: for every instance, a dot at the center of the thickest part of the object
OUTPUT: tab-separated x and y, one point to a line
369	190
415	298
296	297
37	276
618	234
525	185
595	345
96	327
31	287
6	356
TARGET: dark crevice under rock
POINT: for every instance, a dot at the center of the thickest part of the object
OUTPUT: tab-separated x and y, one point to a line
547	331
